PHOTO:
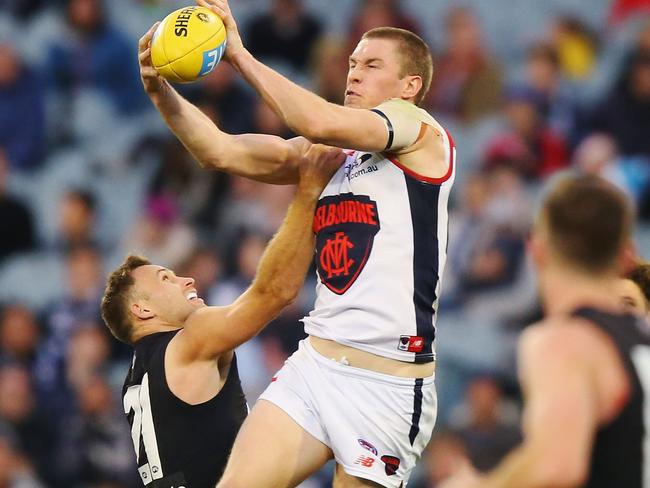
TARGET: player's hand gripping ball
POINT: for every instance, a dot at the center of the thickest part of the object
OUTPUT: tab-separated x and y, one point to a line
188	44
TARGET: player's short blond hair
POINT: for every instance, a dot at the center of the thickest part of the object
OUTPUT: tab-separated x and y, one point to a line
414	54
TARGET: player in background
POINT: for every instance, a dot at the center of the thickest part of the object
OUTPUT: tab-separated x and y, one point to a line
381	241
635	290
585	368
182	395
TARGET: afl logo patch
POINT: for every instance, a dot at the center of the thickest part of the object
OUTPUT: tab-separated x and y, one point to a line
203	17
345	226
366	445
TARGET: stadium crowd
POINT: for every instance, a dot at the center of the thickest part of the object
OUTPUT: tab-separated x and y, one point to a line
89	173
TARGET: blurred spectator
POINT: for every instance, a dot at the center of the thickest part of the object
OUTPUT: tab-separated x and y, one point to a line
233	103
22	111
281	337
23	9
253	207
487	234
527	144
268	122
466	224
378	13
160	234
598	155
87	354
95	55
625	112
576	45
643	37
488	430
79	306
621	10
445	455
19	336
180	179
96	447
16	223
18	408
286	34
554	101
467	81
15	470
330	68
77	216
205	266
247	255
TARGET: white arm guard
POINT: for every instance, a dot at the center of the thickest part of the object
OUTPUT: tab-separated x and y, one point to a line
403	120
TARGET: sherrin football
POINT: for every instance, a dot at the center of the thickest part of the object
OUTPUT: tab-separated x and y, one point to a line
188	44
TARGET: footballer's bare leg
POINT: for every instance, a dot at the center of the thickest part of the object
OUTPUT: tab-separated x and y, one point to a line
344	480
272	451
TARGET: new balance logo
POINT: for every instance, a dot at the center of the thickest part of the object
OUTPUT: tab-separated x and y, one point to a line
365	461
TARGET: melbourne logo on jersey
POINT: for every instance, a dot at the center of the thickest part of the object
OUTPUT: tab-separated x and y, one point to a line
345	226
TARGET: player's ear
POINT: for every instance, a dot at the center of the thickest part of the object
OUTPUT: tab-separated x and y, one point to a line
628	257
536	249
141	311
412	86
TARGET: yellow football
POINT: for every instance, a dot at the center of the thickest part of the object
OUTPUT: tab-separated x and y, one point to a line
188	44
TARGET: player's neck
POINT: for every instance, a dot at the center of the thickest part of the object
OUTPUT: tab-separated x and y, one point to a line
144	330
565	290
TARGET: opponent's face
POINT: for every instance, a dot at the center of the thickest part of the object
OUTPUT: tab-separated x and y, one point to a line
631	297
374	74
159	293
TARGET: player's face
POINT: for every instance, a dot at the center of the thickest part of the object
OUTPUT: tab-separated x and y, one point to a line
373	74
632	298
162	294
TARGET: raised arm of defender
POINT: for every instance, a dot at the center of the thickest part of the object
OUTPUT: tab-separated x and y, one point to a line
212	331
265	158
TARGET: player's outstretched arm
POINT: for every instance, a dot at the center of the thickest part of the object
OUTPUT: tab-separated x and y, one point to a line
304	112
211	331
260	157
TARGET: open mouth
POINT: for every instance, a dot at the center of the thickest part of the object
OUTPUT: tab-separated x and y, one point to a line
193	296
350	93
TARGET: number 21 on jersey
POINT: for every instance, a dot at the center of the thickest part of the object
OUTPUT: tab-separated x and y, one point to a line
137	406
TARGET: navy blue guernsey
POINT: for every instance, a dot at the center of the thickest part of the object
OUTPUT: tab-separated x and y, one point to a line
620	453
178	444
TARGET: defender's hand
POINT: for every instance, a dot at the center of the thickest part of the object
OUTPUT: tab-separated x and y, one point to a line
234	45
151	80
317	167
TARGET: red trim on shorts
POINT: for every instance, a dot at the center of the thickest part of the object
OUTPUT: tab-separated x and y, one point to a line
427	179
